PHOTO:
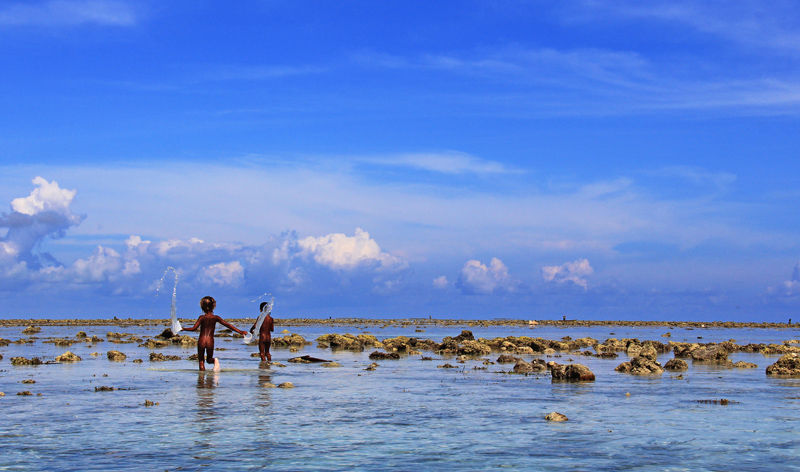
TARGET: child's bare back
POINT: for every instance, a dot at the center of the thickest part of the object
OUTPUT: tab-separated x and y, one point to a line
207	322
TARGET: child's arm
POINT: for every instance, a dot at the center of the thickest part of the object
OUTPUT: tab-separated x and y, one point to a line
254	326
228	325
193	328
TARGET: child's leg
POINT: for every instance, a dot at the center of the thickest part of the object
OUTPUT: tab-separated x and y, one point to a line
261	350
266	349
200	357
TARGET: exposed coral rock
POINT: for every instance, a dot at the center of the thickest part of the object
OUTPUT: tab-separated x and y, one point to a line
473	348
116	356
571	372
378	355
640	365
789	365
676	364
331	364
25	361
507	359
68	357
556	416
745	365
159	357
286	385
31	330
155	343
447	366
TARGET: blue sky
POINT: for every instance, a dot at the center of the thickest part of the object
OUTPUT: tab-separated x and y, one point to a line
522	159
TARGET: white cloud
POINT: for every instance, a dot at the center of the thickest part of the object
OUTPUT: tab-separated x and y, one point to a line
68	13
446	163
45	213
573	272
478	278
339	251
441	282
787	288
231	273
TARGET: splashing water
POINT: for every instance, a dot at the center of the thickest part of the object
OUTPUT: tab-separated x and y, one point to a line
173	310
251	337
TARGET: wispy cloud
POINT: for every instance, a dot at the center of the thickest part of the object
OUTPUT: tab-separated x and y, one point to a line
68	13
445	163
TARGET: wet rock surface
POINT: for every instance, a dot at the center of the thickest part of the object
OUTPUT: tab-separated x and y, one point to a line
571	373
640	365
787	365
68	357
556	416
26	361
116	356
676	365
159	357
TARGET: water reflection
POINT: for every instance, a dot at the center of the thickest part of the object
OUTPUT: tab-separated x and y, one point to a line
207	418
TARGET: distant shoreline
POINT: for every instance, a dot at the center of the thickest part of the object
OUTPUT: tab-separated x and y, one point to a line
406	322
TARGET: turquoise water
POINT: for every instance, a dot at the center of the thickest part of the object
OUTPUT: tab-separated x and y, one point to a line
405	415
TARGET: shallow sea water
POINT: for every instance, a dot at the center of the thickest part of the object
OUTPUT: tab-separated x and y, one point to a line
405	415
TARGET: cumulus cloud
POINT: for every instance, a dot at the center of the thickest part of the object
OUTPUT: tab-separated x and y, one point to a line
287	263
441	282
231	273
477	278
45	213
572	272
787	288
341	252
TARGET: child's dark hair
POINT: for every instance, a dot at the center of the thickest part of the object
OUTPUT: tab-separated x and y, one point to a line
263	304
208	304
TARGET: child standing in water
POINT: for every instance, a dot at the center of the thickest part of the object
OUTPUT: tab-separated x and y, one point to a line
208	323
264	334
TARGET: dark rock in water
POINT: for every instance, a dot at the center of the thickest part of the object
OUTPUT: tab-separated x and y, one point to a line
466	335
571	372
378	355
137	361
640	365
306	360
28	381
116	356
372	366
556	416
447	366
193	357
158	357
25	361
523	367
788	365
166	334
25	393
507	359
31	330
745	365
150	403
286	385
81	334
713	354
155	343
473	348
676	364
330	364
103	388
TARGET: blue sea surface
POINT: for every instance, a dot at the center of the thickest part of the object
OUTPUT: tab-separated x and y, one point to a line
407	414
